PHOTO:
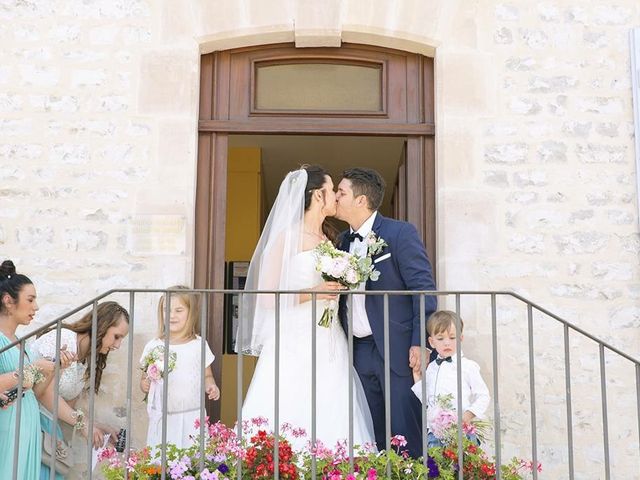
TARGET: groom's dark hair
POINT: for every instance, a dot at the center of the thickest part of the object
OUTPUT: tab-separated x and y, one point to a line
367	182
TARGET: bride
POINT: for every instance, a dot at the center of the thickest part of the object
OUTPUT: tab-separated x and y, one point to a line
284	260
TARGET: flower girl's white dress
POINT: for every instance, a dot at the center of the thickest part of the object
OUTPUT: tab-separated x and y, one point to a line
183	396
332	373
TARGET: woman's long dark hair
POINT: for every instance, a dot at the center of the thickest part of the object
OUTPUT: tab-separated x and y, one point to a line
109	315
315	180
11	283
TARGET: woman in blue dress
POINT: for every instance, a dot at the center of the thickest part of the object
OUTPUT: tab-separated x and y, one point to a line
18	306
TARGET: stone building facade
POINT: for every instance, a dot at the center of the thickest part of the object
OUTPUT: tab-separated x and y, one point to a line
535	173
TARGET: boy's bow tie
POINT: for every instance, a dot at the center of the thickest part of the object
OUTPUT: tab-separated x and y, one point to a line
440	360
352	236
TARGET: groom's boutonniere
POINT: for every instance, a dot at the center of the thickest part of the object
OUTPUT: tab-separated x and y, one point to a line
374	243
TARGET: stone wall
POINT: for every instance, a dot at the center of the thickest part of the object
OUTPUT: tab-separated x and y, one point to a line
535	171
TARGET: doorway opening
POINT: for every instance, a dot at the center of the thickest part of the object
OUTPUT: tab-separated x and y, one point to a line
256	165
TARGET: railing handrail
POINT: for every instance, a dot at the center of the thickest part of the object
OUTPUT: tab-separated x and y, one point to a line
510	293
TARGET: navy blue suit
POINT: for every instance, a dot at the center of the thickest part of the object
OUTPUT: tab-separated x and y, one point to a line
407	268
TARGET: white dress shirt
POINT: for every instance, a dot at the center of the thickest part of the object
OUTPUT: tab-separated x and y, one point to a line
361	325
441	380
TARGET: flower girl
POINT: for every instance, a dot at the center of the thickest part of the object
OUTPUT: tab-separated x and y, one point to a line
184	371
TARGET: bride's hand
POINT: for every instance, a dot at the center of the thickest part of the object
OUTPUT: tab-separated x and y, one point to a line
328	286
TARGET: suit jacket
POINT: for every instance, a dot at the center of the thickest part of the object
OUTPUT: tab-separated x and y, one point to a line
403	265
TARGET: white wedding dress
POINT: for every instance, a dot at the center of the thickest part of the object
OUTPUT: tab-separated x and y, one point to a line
332	373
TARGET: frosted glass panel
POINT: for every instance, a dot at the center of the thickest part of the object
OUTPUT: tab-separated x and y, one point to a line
319	86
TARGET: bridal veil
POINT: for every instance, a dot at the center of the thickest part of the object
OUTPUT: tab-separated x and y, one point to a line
270	265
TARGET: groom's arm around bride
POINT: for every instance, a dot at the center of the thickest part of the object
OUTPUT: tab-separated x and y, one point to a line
403	265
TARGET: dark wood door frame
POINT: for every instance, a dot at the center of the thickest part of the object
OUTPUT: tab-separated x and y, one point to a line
225	89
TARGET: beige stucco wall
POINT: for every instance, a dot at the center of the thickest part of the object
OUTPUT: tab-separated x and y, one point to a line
535	171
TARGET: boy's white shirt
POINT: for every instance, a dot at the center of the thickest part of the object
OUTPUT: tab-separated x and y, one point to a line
441	380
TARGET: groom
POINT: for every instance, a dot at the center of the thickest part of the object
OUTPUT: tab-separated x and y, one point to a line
403	265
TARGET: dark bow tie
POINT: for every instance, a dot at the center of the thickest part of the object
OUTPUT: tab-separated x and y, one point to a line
352	236
440	360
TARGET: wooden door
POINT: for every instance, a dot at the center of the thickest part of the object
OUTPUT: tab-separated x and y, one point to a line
230	103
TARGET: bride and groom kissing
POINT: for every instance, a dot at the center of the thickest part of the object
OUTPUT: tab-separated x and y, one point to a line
278	327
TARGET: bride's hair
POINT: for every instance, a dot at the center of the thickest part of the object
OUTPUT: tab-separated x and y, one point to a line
315	181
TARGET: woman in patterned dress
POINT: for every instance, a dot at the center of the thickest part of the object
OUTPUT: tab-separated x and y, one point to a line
113	327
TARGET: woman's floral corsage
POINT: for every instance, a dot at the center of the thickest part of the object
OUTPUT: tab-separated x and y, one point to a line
31	376
153	364
345	268
374	243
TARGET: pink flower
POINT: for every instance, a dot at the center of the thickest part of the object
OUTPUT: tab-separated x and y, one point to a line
398	441
153	373
442	421
351	476
372	474
469	428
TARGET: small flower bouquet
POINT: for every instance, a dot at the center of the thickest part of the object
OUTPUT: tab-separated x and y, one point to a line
153	364
345	268
32	376
444	423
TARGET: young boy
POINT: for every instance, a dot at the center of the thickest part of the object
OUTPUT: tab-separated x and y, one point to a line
441	374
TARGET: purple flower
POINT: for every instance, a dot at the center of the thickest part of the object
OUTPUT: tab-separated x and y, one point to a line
223	468
434	471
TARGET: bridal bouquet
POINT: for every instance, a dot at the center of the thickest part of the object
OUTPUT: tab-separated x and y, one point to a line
345	268
153	364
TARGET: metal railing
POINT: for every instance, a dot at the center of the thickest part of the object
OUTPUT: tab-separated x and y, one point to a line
456	297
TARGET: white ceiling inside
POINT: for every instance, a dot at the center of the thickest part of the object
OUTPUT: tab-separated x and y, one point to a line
283	153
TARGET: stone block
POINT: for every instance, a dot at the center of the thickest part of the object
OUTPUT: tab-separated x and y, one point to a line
552	152
503	36
594	153
523	198
70	154
168	82
495	178
524	106
507	153
79	240
576	128
533	38
39	76
604	105
619	217
581	242
530	178
612	271
527	243
521	64
607	129
35	238
84	78
469	87
580	215
10	103
561	83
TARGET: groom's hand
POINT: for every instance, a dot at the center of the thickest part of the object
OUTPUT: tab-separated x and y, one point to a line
415	358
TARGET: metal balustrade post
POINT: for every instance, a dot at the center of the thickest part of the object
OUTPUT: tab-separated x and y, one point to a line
92	388
605	418
532	392
423	368
129	434
239	375
567	383
276	428
203	367
387	380
16	438
314	351
638	398
350	376
496	390
56	393
459	390
165	383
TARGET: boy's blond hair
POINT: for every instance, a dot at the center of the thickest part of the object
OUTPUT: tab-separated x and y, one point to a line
442	320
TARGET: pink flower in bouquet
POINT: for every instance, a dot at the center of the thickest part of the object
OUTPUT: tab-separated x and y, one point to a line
442	421
372	474
469	429
153	373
